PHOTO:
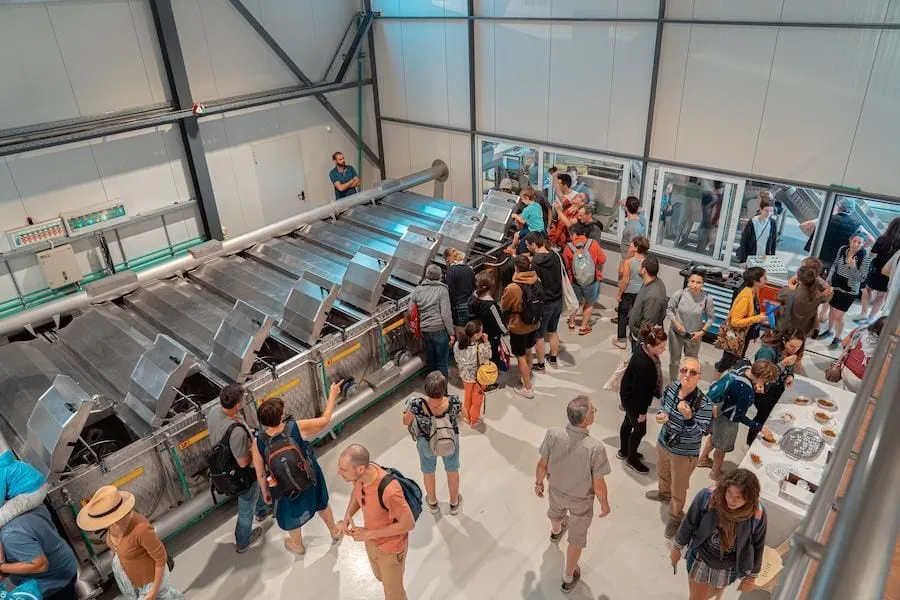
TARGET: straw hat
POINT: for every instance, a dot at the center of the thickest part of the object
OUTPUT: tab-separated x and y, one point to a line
108	505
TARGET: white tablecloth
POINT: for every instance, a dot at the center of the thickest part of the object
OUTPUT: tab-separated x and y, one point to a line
784	513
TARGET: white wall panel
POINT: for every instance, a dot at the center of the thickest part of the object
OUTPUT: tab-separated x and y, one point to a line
33	83
12	211
724	94
151	55
197	56
835	11
734	10
802	11
625	9
669	89
521	74
423	71
630	95
893	12
813	104
580	99
99	44
876	149
485	80
420	8
409	149
514	8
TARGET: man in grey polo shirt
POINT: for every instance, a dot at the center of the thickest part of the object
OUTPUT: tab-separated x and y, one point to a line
575	464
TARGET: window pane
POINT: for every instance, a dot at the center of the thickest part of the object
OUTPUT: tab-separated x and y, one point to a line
850	214
693	214
599	179
508	167
792	206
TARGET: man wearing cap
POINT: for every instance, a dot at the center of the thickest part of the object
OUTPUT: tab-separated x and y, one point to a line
33	549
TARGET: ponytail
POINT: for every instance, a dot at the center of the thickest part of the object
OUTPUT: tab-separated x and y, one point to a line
653	335
472	329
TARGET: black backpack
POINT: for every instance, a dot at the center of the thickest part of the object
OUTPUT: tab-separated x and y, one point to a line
288	464
226	477
532	303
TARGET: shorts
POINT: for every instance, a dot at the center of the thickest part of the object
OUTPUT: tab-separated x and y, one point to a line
724	433
842	300
587	294
550	314
877	281
579	510
428	461
519	343
701	572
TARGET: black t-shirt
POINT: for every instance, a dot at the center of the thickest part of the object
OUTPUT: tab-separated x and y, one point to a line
460	280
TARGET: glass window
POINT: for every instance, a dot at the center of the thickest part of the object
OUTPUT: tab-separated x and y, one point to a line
850	214
605	182
792	206
693	214
508	167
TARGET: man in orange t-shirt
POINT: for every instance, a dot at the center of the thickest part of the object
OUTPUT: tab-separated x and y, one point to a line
385	532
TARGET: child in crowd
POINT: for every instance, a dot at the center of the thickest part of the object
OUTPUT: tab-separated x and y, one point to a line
22	487
531	219
472	349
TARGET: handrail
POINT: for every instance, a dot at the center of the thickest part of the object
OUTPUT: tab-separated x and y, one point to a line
866	564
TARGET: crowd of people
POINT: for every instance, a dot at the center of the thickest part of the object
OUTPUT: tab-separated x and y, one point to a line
552	271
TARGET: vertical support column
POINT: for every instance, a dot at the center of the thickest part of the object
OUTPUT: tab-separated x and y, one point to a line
654	80
376	99
176	73
473	119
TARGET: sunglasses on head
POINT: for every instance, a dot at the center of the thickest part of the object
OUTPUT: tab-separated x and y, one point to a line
688	372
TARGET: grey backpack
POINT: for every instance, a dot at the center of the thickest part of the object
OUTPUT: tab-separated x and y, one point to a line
584	270
442	438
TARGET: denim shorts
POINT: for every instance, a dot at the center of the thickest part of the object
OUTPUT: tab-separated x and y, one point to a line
550	318
587	293
428	461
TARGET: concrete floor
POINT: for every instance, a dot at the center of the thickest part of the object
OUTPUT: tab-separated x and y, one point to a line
498	546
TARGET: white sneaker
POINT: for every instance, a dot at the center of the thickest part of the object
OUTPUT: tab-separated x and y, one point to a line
525	393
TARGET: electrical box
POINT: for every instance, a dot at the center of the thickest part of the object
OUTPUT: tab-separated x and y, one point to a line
32	234
59	266
95	217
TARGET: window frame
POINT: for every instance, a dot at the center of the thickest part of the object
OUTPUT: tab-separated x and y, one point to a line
653	198
479	142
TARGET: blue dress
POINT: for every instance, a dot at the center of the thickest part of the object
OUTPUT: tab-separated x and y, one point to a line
293	514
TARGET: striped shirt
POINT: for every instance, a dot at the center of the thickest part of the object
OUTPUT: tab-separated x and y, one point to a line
849	278
683	436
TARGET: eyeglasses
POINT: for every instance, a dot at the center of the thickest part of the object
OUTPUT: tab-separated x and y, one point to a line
688	372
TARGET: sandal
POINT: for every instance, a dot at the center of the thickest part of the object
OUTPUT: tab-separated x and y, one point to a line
705	463
585	329
571	322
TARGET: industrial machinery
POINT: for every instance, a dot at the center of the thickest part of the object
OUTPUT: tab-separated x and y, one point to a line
119	394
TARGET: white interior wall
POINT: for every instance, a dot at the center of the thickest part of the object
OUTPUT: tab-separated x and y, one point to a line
408	149
59	58
623	9
798	11
791	103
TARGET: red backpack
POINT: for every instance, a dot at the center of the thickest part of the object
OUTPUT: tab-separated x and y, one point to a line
857	360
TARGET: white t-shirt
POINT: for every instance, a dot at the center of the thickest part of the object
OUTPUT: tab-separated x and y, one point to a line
762	231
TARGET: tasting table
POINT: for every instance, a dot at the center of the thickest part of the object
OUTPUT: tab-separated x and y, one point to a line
784	513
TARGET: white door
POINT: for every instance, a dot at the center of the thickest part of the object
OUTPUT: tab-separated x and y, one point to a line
280	177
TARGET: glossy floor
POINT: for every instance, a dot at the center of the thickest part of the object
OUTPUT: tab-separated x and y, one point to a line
498	546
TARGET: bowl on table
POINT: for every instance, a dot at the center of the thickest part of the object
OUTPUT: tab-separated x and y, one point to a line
826	403
803	400
822	417
829	434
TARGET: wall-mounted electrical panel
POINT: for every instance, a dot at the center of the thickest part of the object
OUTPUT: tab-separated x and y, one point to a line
32	234
95	217
60	266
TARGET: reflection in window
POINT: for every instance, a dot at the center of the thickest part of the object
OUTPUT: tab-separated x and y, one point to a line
850	214
792	207
604	183
508	167
694	213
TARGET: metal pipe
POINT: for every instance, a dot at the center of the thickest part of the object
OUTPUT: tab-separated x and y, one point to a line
861	547
81	300
798	560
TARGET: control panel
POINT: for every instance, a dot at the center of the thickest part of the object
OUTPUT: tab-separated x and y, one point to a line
95	217
32	234
60	266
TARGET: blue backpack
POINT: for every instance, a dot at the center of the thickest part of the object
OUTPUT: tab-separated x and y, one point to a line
411	490
27	591
717	390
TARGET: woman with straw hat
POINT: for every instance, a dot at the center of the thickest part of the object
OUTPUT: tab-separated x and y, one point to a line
139	556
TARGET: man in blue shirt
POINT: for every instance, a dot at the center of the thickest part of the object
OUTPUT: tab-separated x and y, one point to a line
33	549
343	177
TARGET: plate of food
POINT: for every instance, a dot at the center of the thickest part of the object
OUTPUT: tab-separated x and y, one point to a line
803	400
829	434
822	417
802	443
755	459
826	403
787	417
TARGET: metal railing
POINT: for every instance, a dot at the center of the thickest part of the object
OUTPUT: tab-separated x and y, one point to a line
855	560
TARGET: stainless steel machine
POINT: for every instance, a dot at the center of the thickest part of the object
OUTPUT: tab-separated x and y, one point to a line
118	394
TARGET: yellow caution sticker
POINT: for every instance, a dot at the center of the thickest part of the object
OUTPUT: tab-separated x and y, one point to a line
394	326
343	354
279	391
130	476
201	435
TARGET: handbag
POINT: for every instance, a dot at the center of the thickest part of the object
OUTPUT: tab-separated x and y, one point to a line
731	340
614	383
570	301
415	324
833	372
503	354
